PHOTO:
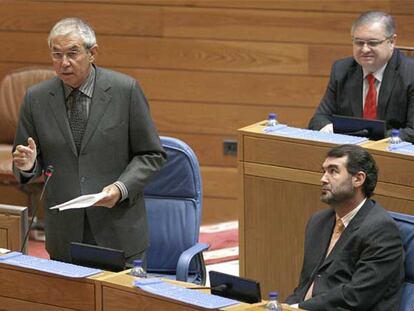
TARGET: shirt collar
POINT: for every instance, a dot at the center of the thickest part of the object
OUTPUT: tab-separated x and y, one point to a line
377	74
86	87
348	217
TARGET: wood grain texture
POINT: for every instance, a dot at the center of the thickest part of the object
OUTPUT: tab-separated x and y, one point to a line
319	5
207	67
10	232
219	210
41	288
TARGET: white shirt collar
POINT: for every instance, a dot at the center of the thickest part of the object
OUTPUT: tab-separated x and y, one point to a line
348	217
377	74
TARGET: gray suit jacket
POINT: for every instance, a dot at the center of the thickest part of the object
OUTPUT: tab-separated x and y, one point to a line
364	271
120	143
343	95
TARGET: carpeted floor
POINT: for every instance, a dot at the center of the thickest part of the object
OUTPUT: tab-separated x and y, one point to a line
223	240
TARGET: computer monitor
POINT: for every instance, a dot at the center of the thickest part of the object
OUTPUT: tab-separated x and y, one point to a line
14	221
372	129
234	287
99	257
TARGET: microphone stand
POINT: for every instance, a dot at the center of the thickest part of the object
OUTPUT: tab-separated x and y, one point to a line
48	174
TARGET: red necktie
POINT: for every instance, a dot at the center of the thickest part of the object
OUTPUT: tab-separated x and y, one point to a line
370	108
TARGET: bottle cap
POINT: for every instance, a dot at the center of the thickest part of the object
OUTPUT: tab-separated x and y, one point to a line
273	295
272	115
137	262
395	132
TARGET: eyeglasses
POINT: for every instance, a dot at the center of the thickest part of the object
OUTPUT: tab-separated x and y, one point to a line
70	55
370	43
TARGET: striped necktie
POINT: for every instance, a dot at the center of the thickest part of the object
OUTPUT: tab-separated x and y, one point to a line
77	117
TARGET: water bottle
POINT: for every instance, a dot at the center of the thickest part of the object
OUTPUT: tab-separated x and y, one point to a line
271	120
395	137
273	303
138	270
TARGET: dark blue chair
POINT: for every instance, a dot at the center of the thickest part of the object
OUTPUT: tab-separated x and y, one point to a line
173	203
406	225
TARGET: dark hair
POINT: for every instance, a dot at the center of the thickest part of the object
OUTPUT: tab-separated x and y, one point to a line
358	159
371	17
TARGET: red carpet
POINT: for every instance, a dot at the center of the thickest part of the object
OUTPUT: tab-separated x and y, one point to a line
223	240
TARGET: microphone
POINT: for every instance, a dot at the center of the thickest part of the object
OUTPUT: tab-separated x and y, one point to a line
48	173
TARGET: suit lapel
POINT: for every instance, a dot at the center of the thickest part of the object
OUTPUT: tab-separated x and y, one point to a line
354	89
387	84
349	230
100	100
325	237
57	105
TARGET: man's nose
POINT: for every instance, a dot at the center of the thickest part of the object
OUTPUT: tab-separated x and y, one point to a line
65	61
365	48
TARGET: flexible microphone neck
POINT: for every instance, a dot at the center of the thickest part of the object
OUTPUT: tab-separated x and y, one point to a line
48	174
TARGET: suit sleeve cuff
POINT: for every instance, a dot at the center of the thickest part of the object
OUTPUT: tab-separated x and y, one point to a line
122	188
31	173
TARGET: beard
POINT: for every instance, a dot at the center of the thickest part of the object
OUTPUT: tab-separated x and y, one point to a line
338	194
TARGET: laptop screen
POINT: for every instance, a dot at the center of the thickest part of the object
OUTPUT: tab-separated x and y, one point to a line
94	256
372	129
234	287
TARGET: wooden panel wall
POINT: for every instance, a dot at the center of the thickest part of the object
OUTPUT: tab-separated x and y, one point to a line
208	67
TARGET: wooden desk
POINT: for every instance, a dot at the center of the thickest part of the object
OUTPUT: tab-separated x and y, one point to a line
24	289
280	190
118	293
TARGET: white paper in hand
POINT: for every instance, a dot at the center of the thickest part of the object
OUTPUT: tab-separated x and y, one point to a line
81	202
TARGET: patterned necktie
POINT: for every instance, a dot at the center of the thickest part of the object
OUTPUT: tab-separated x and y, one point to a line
338	229
370	108
77	118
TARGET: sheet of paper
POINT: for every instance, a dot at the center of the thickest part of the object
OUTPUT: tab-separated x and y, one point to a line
81	202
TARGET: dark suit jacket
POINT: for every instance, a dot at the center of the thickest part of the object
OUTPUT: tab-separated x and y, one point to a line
395	105
364	271
120	143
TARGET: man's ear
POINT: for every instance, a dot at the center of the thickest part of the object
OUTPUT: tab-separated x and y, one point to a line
93	51
358	179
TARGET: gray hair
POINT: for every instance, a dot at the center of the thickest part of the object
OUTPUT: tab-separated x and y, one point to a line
73	25
371	17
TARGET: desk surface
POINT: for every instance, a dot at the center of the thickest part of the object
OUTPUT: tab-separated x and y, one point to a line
25	289
280	189
119	293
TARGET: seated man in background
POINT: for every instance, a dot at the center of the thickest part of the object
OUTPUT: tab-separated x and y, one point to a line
376	83
353	256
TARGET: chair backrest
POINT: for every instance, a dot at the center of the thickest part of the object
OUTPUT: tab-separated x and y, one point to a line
406	50
173	203
406	225
12	89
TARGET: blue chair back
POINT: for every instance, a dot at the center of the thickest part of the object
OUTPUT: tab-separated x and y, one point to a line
173	201
406	225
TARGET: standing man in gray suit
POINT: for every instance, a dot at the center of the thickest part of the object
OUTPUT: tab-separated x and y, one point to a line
354	258
94	127
376	83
